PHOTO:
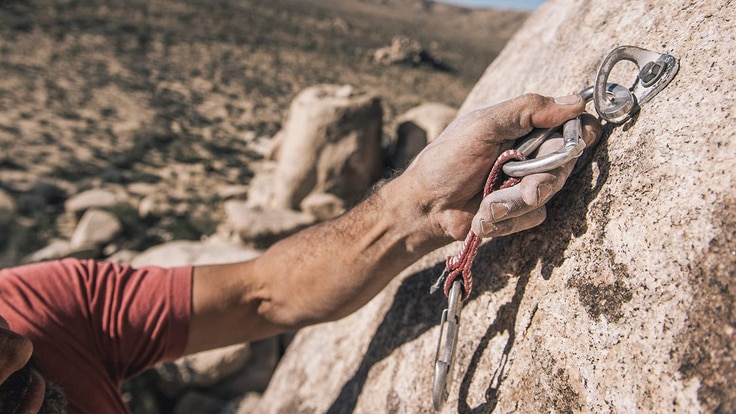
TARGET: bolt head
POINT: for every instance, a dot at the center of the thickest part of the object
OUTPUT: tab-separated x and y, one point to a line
650	73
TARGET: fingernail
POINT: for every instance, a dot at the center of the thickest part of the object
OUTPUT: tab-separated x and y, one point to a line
569	100
543	193
487	227
498	211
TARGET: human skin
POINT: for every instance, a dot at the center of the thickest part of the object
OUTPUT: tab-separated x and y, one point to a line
28	387
330	270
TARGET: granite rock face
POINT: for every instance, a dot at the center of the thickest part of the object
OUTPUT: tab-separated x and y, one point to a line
623	300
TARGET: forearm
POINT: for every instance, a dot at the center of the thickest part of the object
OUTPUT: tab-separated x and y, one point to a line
320	274
332	269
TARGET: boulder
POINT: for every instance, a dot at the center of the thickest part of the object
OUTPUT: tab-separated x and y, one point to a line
203	369
246	404
96	227
323	206
402	50
185	252
418	127
256	372
198	402
233	192
261	227
622	301
406	51
220	375
331	143
59	249
95	198
7	211
260	188
155	205
122	257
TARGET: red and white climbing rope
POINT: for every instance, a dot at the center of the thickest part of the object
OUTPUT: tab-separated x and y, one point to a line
461	263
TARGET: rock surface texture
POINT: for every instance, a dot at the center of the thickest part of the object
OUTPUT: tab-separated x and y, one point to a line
622	301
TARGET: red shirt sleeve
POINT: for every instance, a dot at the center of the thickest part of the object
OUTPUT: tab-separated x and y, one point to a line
90	320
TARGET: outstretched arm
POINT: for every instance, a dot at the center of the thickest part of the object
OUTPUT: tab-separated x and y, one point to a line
328	271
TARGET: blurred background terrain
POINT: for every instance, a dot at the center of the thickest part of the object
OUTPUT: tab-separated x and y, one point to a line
165	106
177	96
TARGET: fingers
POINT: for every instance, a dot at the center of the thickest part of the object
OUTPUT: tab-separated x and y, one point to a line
521	207
516	117
513	225
513	209
15	351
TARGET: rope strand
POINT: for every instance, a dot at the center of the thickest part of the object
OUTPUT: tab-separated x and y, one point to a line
461	263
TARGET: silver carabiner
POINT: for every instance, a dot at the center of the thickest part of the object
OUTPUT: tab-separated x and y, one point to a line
443	360
572	146
613	102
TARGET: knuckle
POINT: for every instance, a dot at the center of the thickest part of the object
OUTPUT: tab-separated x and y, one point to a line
540	188
529	104
532	99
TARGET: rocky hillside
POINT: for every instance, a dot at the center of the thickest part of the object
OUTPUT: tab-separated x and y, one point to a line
177	99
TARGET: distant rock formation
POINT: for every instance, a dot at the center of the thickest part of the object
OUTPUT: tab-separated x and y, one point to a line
7	211
622	301
331	143
406	51
416	128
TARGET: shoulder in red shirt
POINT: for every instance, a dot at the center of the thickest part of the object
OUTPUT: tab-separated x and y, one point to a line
94	324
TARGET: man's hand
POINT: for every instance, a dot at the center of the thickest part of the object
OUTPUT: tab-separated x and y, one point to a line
447	178
21	387
329	270
15	351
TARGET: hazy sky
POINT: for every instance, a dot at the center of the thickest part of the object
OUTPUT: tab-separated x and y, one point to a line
498	4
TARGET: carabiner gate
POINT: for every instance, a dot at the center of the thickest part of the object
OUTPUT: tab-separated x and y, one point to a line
449	328
572	147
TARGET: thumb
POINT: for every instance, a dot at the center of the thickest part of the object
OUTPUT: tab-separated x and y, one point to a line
511	119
